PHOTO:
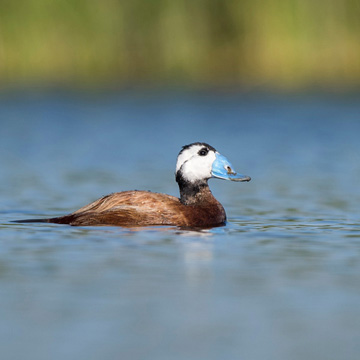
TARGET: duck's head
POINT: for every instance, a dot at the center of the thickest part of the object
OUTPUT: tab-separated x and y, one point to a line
198	162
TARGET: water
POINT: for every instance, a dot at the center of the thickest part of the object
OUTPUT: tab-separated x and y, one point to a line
279	281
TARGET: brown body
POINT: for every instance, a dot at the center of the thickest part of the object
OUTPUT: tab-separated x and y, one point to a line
143	208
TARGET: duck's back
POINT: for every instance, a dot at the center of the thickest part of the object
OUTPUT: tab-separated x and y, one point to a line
125	208
143	208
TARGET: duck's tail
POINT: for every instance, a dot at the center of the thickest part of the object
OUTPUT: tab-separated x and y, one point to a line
32	221
57	220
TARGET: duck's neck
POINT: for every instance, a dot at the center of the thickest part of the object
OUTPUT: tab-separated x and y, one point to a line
194	193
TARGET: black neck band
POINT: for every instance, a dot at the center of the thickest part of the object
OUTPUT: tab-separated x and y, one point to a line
189	190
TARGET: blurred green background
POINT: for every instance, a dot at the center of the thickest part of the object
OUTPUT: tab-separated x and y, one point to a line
285	44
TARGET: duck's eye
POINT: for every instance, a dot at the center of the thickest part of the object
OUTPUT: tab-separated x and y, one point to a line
203	152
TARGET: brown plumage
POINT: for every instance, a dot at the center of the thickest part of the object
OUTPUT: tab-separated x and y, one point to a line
144	208
196	207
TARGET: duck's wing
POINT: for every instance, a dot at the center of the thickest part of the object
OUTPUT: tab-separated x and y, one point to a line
128	208
128	198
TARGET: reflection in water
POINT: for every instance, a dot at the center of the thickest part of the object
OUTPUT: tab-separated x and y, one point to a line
198	256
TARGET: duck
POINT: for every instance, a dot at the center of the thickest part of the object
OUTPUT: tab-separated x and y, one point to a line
195	208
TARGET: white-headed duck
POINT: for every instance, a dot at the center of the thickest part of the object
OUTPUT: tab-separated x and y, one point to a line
196	207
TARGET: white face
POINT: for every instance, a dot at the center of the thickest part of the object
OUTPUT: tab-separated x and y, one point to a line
194	166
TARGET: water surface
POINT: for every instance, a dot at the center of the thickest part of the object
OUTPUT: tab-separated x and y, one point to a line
279	281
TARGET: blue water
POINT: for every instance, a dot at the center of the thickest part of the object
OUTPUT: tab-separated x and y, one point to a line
280	281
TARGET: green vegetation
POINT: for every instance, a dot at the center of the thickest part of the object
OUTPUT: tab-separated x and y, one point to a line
276	43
